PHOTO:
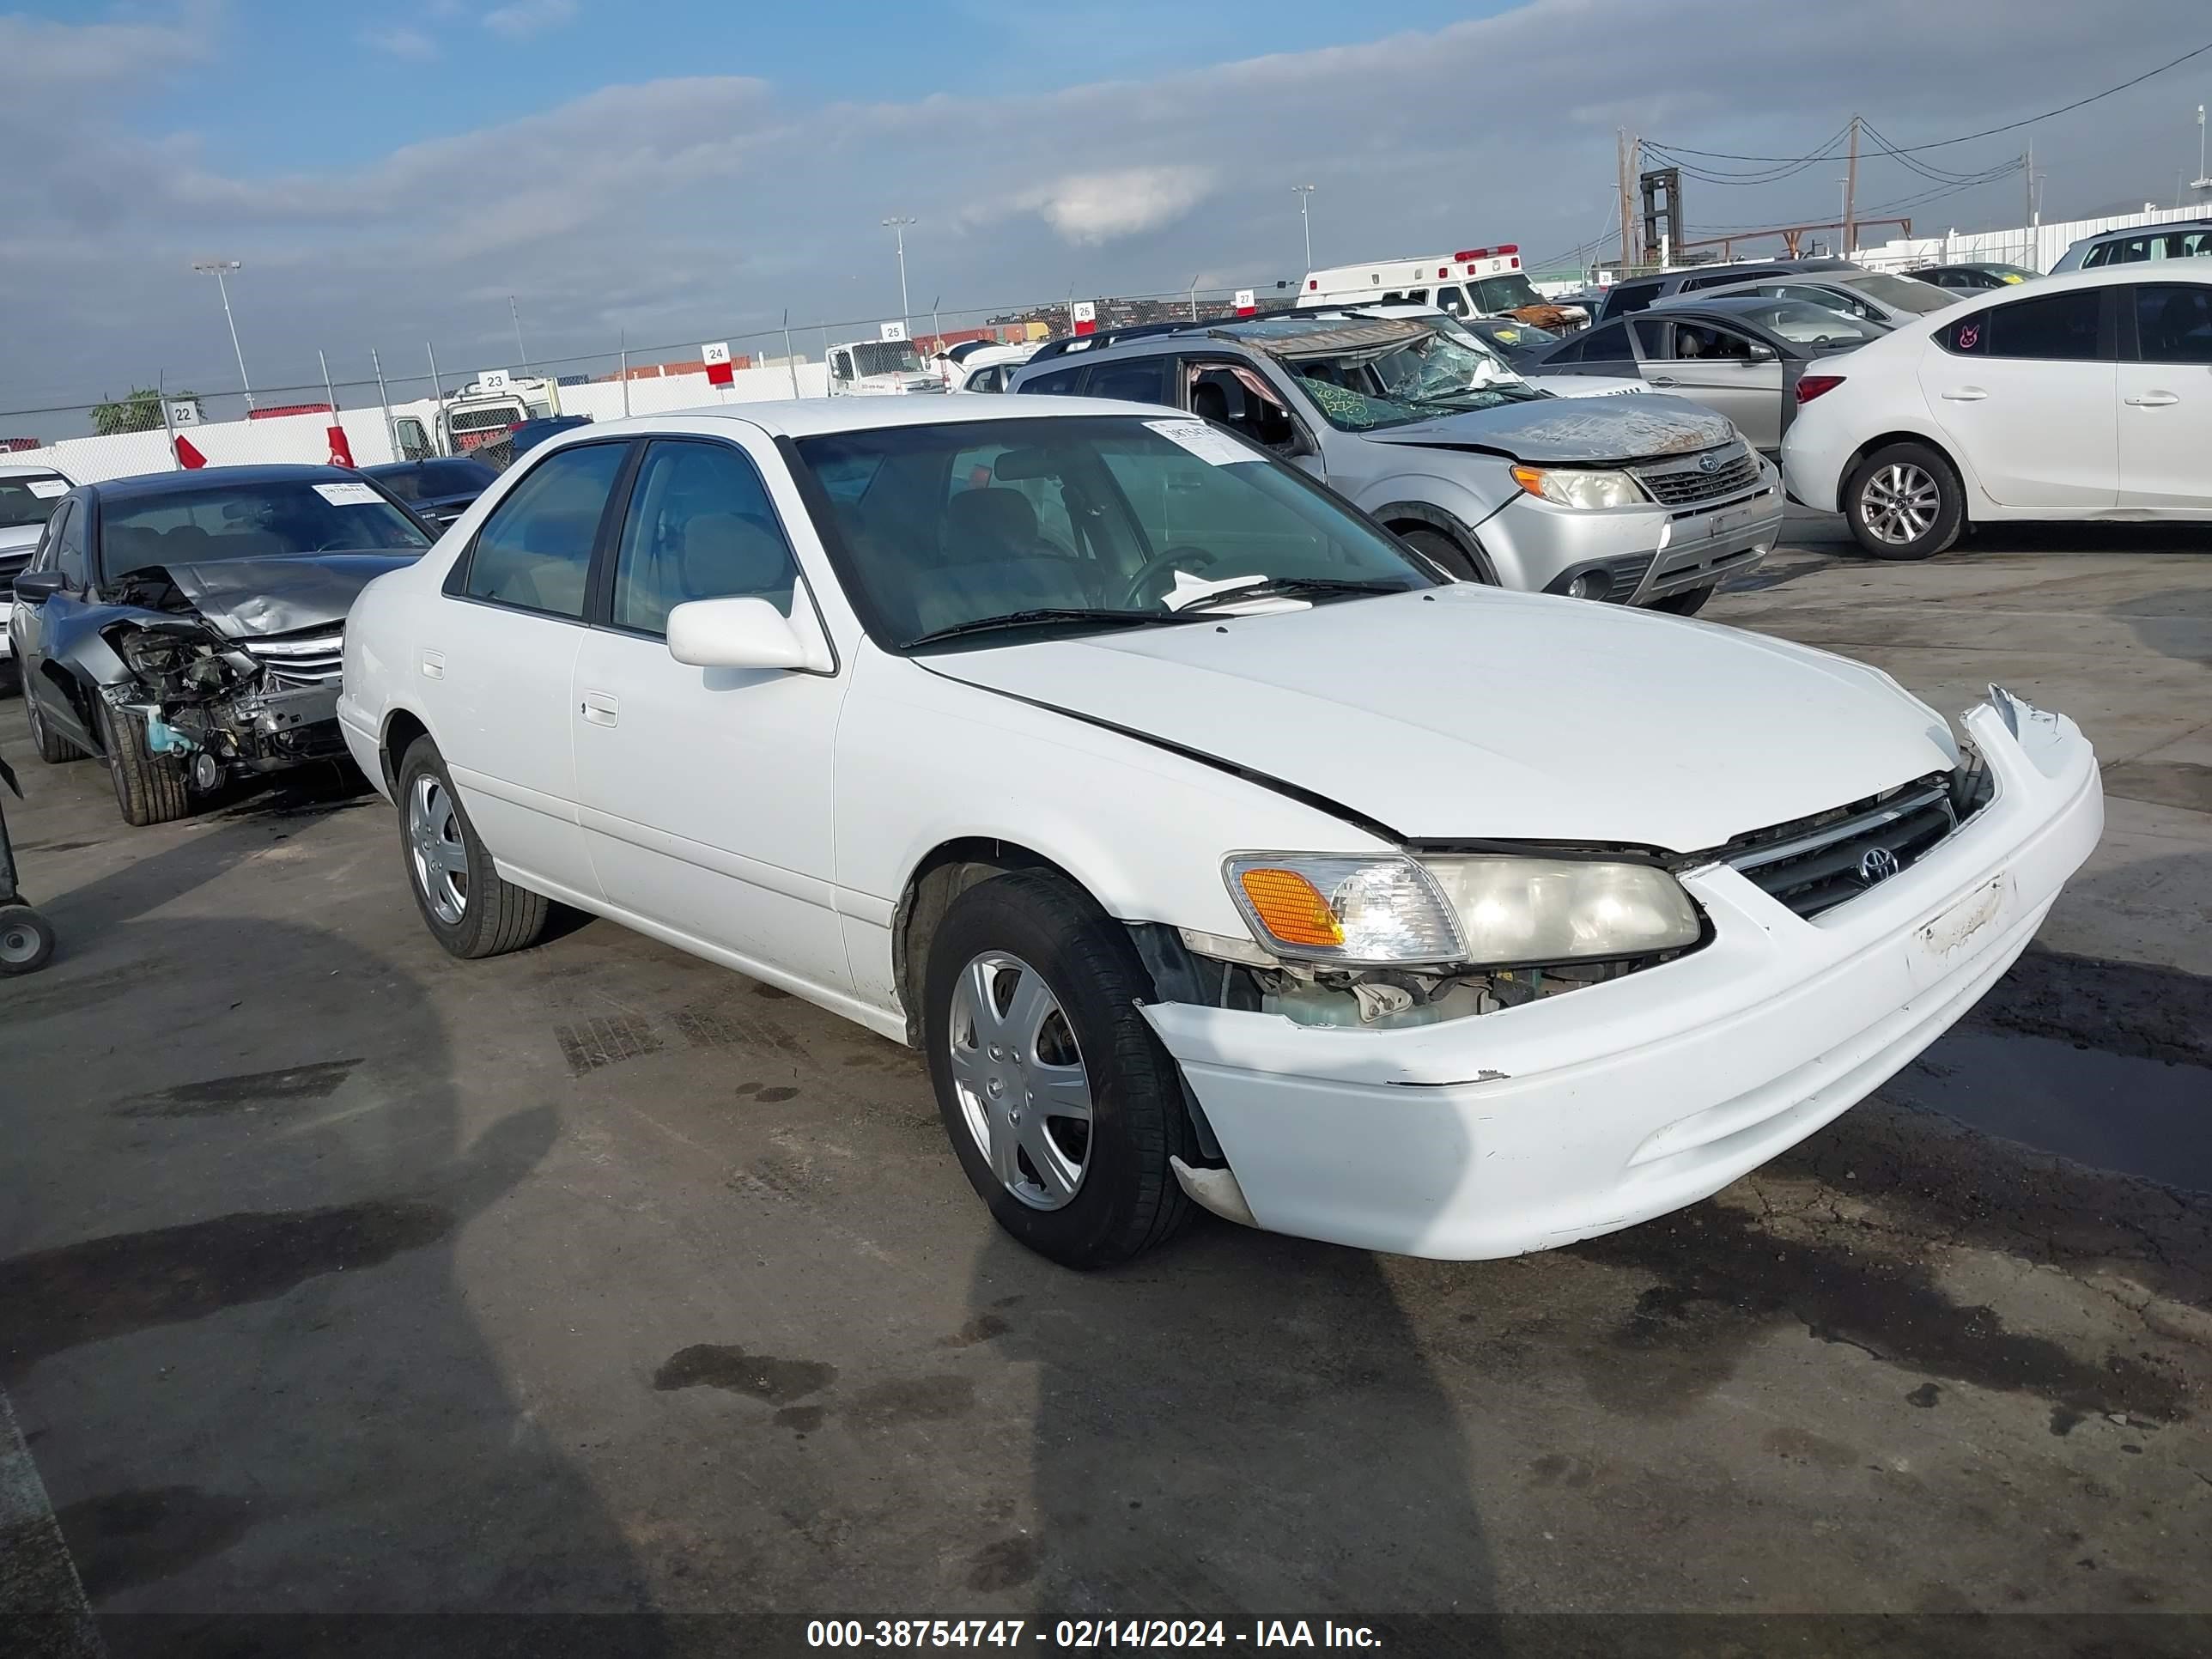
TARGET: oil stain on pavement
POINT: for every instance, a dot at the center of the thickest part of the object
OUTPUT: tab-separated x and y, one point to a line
715	1365
289	1086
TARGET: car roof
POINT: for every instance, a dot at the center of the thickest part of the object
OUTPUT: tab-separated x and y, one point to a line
2125	231
1722	304
212	478
813	417
16	471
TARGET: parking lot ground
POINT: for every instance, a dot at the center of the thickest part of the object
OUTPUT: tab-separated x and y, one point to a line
340	1278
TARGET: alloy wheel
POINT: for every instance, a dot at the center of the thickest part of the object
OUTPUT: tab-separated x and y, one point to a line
1899	504
437	850
1023	1087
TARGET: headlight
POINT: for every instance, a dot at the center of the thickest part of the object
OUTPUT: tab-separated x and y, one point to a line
1565	488
1494	911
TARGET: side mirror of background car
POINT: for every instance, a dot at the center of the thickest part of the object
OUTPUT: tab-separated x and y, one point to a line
739	633
34	586
1761	354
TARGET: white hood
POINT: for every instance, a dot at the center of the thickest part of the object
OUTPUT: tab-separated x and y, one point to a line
1480	713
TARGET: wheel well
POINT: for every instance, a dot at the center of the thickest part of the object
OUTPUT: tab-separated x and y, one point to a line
1400	517
949	871
73	693
1859	455
400	731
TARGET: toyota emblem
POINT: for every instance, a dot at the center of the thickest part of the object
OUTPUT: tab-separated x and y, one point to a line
1877	864
1708	463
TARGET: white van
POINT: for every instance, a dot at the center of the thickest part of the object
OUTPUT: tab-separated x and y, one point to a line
1476	282
876	368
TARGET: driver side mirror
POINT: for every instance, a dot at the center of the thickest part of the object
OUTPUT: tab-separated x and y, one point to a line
35	586
740	634
1761	353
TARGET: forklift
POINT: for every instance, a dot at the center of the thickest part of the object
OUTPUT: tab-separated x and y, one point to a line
27	939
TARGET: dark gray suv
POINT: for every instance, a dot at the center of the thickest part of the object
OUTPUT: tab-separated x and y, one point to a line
1638	292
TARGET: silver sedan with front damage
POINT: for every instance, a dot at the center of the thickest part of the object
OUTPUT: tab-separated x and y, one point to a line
1643	501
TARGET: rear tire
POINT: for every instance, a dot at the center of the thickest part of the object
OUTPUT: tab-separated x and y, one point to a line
1434	544
1687	604
27	939
52	747
479	915
1905	502
1126	1199
149	788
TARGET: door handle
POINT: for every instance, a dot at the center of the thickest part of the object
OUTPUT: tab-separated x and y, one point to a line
599	709
2153	400
1664	380
1964	394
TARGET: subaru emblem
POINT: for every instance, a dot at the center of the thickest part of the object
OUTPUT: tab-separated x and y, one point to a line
1877	864
1708	463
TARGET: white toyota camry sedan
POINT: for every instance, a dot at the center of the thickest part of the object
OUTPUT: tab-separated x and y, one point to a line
1212	846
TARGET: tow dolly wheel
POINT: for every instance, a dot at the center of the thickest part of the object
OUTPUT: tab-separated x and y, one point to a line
27	939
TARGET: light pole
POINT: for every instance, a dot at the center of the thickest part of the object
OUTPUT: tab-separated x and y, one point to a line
1842	213
512	311
897	226
2203	177
1304	193
220	268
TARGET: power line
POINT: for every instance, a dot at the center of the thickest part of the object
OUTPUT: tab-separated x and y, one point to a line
1965	138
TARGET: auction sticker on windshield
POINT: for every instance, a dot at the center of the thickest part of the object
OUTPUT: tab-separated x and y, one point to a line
46	489
1215	448
348	494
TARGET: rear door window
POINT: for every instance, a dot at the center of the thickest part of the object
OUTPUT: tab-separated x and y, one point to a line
2055	327
1143	381
1630	296
535	550
1059	383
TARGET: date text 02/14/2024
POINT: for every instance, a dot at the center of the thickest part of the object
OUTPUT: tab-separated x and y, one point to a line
1087	1633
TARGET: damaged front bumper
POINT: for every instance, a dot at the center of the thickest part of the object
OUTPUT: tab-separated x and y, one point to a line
1633	554
1575	1115
260	729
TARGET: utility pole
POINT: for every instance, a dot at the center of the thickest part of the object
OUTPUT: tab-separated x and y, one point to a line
1851	194
898	226
1622	151
2028	232
2203	177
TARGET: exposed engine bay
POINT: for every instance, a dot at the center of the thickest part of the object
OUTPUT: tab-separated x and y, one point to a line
259	703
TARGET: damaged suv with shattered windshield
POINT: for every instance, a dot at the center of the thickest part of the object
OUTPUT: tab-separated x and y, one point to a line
1646	501
187	627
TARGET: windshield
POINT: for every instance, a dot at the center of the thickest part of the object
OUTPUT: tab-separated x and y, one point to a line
30	501
1418	380
1508	292
1476	337
1121	520
887	357
1901	293
1521	337
251	521
1804	324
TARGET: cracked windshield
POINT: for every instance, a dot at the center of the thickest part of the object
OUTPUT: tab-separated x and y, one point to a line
1417	378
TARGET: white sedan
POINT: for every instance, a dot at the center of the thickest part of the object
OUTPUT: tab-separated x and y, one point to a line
2075	398
1212	846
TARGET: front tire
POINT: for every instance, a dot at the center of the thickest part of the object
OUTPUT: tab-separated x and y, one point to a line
149	788
52	747
1905	502
1061	1106
1435	545
468	908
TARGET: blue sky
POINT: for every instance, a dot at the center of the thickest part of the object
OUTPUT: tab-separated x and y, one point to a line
389	171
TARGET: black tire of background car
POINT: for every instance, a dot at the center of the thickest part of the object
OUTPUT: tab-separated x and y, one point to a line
1130	1200
149	788
1687	604
500	916
1436	546
1950	509
53	748
26	940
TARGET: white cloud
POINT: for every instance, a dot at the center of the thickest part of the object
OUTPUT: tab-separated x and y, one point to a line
524	18
402	42
1090	208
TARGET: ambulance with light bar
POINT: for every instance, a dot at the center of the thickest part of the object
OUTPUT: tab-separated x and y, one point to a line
1476	282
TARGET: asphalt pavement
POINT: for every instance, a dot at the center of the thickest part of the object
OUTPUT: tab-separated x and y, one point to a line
343	1284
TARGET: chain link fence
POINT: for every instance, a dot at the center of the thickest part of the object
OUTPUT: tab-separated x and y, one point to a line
404	403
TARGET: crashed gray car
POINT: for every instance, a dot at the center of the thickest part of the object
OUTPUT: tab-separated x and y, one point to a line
185	627
1641	500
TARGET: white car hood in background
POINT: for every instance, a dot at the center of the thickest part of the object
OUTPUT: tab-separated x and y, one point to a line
1585	385
1486	714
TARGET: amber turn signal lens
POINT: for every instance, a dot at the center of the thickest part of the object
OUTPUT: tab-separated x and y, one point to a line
1291	908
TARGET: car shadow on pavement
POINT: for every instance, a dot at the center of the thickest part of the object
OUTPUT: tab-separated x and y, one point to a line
235	1313
1162	1487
